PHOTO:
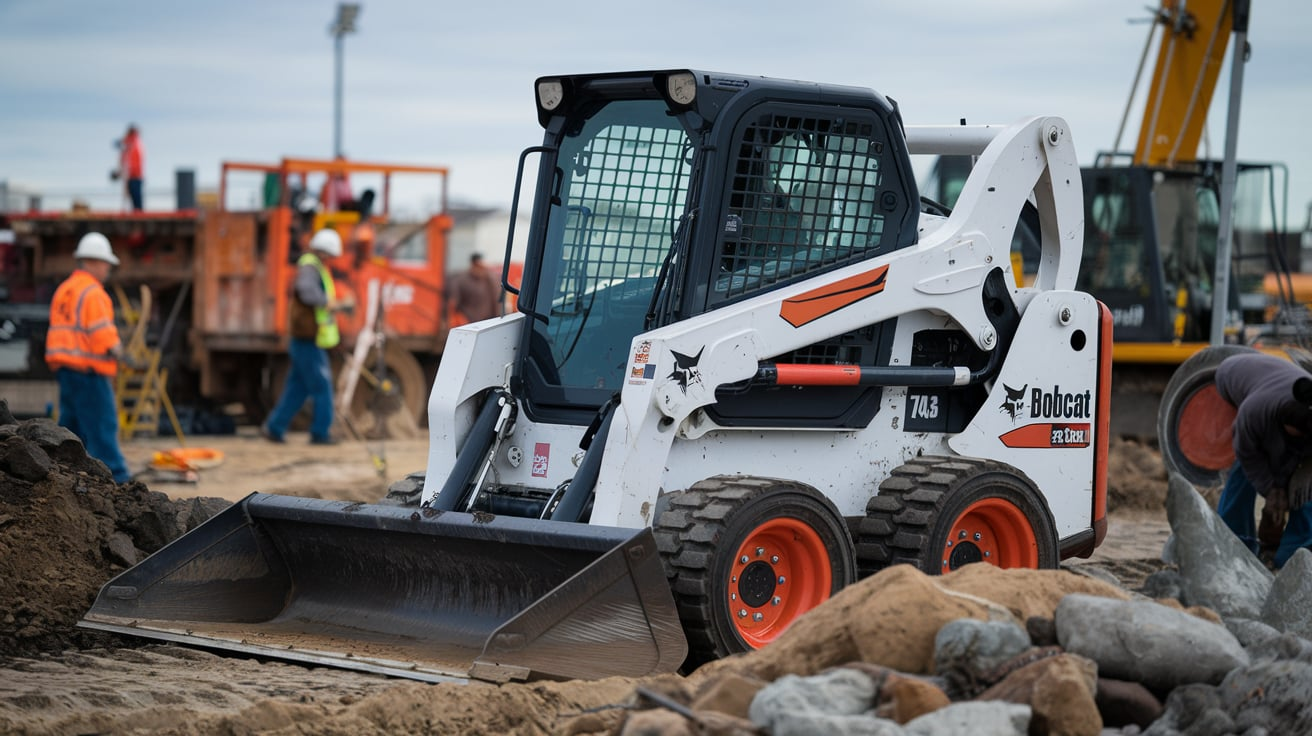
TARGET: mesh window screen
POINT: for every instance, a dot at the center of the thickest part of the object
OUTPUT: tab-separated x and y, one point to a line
622	196
803	197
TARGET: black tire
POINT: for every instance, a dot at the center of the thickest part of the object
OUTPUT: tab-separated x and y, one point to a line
728	605
914	518
1199	454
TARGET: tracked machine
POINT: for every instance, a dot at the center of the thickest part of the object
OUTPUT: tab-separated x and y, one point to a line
745	370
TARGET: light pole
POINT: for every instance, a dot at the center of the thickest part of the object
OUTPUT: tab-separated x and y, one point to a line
343	24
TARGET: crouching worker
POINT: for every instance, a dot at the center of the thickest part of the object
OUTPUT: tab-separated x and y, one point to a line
1272	438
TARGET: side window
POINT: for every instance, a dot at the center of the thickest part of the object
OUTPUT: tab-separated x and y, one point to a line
803	196
1113	239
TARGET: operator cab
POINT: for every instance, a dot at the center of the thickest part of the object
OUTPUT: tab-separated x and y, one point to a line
669	194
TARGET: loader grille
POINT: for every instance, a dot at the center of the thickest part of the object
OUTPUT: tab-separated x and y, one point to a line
806	192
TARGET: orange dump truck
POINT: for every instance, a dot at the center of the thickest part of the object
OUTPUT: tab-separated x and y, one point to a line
220	279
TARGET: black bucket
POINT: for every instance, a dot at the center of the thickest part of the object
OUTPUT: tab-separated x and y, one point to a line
416	593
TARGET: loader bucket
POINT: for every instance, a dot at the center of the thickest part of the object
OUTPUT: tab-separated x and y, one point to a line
415	593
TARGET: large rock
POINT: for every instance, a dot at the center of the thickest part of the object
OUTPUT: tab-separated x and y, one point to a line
6	416
1122	703
1249	632
23	459
1216	569
973	719
1147	642
1059	691
1276	696
902	698
1288	606
836	701
966	650
1193	709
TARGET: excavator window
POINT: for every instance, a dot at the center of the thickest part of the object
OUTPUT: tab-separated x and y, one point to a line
804	195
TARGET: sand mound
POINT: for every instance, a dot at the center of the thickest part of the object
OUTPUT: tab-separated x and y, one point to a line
65	529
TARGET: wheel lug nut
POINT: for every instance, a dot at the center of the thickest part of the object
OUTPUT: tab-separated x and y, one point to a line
962	535
776	601
774	559
743	559
949	542
976	536
758	617
988	554
733	596
760	551
781	580
742	613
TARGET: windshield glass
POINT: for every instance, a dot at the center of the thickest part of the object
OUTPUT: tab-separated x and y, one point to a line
622	182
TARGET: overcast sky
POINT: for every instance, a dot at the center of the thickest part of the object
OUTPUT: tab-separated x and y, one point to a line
450	83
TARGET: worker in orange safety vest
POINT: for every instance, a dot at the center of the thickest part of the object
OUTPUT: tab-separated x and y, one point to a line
83	348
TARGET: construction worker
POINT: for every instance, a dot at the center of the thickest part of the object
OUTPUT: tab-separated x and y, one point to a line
1272	438
475	294
131	166
83	348
313	332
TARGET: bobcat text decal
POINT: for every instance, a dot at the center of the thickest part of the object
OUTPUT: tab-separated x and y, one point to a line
1054	404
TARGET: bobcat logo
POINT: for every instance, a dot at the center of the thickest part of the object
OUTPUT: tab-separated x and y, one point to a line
1014	406
685	369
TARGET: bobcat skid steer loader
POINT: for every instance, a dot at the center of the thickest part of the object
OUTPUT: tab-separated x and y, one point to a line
745	369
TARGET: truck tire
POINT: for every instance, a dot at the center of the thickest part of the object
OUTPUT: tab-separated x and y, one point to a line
396	411
1194	422
746	557
940	513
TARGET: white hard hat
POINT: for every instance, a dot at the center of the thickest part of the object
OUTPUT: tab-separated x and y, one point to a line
327	241
95	247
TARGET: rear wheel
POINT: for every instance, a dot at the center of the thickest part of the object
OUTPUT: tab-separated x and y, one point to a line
941	513
387	404
1194	422
746	557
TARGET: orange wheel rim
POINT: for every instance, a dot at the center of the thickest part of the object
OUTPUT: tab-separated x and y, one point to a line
1203	430
781	571
991	530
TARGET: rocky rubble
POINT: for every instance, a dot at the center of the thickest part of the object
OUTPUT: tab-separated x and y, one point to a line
987	651
65	529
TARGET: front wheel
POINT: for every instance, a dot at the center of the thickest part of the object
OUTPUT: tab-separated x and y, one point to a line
942	513
746	557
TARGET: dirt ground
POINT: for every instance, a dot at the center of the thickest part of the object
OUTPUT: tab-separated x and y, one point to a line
59	680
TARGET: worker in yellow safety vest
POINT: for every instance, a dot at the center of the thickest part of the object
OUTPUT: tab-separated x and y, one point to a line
313	332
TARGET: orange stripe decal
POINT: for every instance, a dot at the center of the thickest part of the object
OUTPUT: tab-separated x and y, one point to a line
830	298
1045	435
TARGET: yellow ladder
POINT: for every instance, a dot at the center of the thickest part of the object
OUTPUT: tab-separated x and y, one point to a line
140	388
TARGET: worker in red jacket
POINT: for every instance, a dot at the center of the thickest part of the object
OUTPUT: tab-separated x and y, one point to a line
83	348
131	166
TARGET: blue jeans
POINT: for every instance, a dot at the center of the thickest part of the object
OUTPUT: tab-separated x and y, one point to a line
87	408
1237	509
310	377
136	193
